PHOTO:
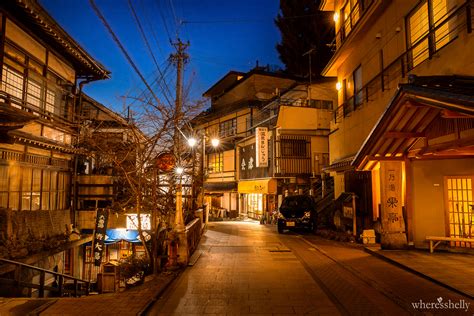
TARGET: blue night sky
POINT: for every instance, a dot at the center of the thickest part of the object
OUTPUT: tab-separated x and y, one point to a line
224	36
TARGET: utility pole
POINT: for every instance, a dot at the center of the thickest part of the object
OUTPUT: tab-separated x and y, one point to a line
309	52
179	58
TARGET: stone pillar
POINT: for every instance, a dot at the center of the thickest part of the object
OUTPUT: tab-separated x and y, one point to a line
393	224
181	229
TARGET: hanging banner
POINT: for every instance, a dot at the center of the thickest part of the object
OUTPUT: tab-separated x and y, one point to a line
99	235
261	143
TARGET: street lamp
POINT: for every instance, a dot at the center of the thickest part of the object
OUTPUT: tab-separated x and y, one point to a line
192	142
215	142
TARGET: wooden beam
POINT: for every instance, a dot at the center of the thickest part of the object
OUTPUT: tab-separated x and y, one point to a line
395	134
383	158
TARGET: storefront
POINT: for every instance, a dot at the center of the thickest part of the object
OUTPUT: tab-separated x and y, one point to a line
257	197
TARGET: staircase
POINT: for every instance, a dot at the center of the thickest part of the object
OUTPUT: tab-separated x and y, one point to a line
325	205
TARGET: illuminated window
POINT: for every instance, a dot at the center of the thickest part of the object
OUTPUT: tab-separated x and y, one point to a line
419	27
294	147
33	93
132	221
215	162
460	208
51	101
12	82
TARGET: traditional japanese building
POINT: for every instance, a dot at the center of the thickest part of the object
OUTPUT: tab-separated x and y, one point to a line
404	123
42	68
287	147
234	100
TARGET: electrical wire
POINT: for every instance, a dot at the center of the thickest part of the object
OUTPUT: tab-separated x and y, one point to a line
150	51
127	56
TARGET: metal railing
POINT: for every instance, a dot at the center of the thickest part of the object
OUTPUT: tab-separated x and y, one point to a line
458	20
349	23
64	285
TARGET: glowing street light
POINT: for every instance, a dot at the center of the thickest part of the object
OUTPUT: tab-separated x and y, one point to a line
215	142
192	142
179	170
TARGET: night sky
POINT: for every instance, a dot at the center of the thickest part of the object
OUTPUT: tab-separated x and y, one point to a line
224	35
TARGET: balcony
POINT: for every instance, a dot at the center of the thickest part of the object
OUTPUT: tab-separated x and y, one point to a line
95	187
459	20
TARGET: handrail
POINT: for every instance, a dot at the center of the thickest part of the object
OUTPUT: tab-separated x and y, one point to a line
193	235
403	63
41	286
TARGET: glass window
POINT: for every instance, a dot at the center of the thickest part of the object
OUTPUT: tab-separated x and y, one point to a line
419	27
215	162
51	101
460	208
33	93
14	175
26	177
358	86
45	190
12	82
228	128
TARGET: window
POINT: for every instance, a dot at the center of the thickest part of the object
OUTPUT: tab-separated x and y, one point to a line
215	162
357	77
294	148
228	128
428	17
132	221
50	101
12	82
459	194
33	93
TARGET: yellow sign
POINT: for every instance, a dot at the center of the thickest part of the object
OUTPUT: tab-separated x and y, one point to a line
267	186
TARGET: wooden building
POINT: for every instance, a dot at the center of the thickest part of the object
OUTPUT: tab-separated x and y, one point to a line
41	69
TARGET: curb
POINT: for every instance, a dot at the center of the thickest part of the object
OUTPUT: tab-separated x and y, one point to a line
157	296
418	273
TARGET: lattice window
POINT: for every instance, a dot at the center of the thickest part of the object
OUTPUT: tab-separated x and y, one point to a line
459	192
12	82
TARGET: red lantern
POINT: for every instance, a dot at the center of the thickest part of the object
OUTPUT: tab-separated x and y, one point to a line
165	161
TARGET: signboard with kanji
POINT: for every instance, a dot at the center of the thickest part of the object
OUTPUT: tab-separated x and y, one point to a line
99	235
391	196
261	155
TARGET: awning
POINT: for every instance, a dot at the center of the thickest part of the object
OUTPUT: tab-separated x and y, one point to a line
220	186
421	111
263	186
117	234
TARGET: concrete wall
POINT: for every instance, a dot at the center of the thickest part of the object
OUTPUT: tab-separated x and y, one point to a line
387	34
428	195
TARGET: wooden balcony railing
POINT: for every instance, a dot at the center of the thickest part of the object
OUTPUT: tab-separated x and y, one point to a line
33	159
457	21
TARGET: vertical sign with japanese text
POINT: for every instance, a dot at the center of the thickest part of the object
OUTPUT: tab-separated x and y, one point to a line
261	154
99	235
392	199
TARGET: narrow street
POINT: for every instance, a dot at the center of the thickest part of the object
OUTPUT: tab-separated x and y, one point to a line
246	268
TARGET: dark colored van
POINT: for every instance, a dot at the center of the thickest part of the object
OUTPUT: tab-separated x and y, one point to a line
297	211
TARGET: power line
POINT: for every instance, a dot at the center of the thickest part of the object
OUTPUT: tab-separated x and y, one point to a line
164	23
142	32
124	51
